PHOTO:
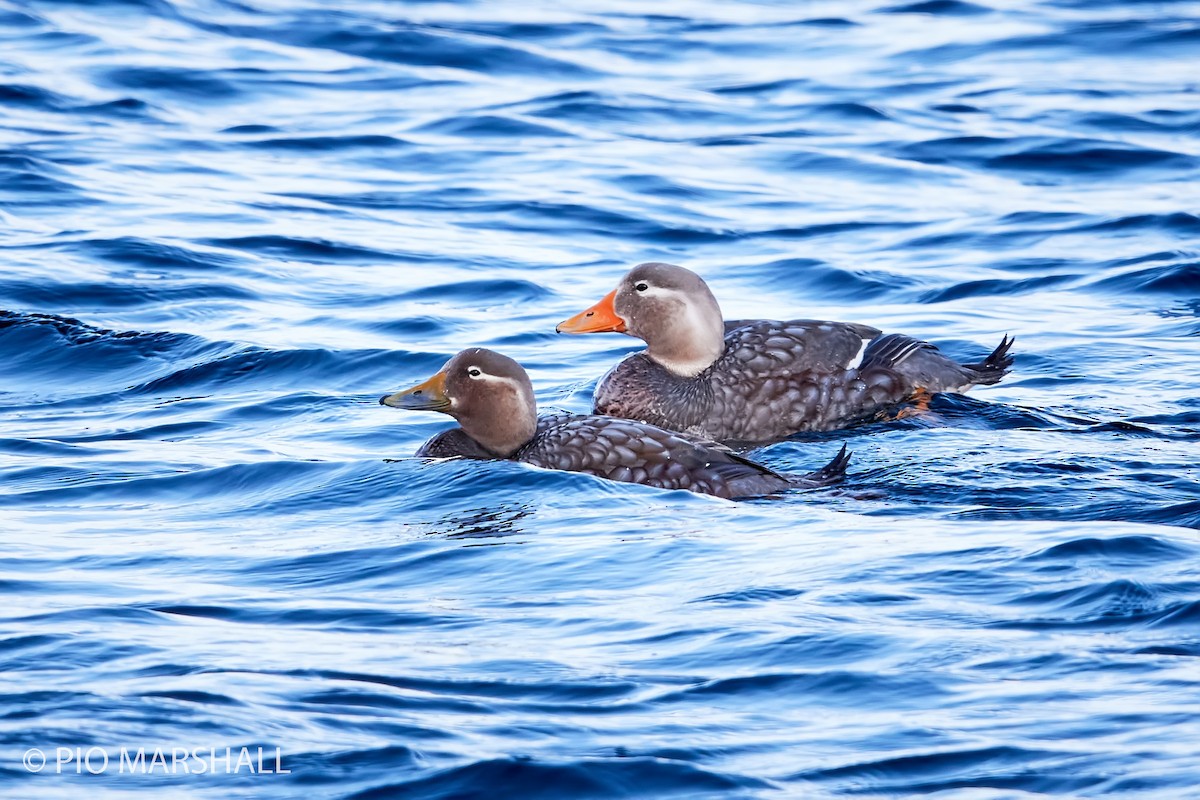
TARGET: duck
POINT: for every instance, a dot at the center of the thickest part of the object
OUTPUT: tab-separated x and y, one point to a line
491	397
759	380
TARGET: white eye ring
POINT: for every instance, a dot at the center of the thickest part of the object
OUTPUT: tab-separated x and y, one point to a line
642	286
474	372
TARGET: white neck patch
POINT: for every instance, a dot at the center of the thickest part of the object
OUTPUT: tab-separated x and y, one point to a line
688	369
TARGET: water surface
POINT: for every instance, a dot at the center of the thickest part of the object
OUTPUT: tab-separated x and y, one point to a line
228	227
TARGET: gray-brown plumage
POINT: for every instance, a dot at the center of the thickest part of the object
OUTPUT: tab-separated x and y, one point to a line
492	398
757	380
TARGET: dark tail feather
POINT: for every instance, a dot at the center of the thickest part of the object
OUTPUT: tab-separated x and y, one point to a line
926	367
828	475
996	365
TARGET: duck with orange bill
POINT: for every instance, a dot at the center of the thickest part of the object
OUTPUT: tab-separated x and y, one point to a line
491	397
755	380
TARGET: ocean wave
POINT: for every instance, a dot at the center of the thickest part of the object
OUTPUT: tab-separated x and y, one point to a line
593	778
1077	157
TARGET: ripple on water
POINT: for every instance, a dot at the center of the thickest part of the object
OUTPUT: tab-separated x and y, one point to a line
1076	157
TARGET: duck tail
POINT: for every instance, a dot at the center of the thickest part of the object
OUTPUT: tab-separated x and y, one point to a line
828	475
926	367
996	365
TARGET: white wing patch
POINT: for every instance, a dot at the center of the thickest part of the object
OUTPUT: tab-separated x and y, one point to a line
856	360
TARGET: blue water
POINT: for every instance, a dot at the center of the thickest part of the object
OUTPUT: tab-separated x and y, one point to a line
228	226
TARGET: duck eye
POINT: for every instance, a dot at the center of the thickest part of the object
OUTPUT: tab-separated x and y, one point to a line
474	372
643	286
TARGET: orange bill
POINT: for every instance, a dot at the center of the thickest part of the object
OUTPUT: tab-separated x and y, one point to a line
600	318
427	396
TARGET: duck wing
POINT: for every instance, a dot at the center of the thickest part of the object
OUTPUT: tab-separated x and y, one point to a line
635	452
759	348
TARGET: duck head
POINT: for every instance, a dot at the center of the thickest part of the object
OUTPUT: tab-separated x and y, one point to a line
488	393
669	308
